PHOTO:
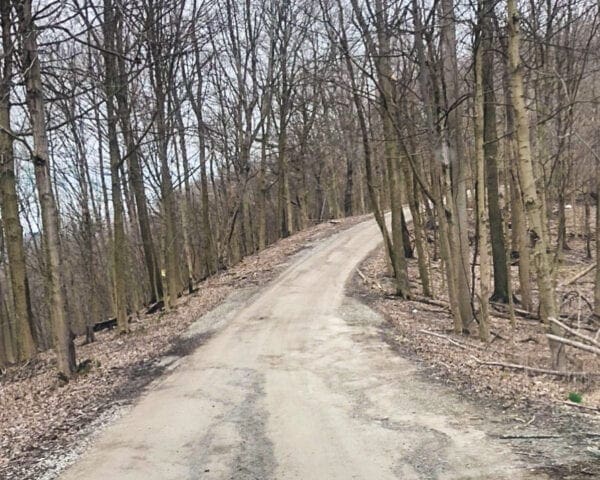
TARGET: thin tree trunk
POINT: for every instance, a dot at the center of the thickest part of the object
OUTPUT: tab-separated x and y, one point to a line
262	189
119	240
362	122
210	253
533	205
597	284
482	217
457	160
349	188
442	214
186	226
490	142
285	205
420	245
90	311
136	178
161	72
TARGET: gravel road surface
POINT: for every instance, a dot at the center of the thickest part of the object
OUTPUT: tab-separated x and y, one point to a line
295	382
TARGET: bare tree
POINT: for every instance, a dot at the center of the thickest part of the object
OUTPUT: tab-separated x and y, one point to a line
31	71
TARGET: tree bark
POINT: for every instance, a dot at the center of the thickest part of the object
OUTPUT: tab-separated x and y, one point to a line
13	231
160	75
136	177
482	217
63	337
533	204
490	142
119	241
186	218
420	245
362	122
457	161
597	283
443	215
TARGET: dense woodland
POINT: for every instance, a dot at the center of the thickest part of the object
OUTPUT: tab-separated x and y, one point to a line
146	145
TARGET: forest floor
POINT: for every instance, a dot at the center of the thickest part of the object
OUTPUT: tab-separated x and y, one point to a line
41	418
562	436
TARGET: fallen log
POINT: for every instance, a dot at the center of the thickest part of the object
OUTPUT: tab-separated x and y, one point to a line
527	437
526	314
430	301
108	324
583	407
573	343
155	307
575	332
542	371
444	337
578	275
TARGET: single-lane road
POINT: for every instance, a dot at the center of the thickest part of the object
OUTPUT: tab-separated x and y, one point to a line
299	385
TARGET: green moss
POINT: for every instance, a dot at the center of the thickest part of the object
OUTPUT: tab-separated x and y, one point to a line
575	397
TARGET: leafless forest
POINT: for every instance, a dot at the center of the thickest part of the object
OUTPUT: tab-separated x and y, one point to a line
147	145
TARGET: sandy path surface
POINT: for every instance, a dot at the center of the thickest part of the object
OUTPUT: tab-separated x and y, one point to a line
298	384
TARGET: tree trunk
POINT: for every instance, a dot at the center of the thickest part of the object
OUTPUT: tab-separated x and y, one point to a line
420	245
482	218
186	220
349	188
457	161
136	179
442	214
392	158
161	74
490	142
89	311
119	240
362	122
519	240
63	337
533	206
210	253
286	220
13	231
262	189
597	284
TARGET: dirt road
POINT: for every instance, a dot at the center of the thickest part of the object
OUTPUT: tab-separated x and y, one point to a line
296	383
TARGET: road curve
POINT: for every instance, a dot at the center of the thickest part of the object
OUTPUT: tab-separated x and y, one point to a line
299	385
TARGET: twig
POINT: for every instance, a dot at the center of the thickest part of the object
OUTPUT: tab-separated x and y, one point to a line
497	335
583	407
528	339
526	437
430	301
498	307
439	335
496	313
423	308
530	421
573	343
577	276
366	280
361	275
576	293
542	371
